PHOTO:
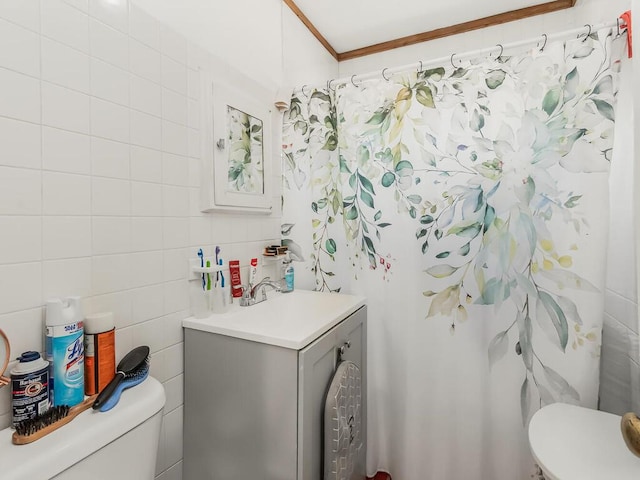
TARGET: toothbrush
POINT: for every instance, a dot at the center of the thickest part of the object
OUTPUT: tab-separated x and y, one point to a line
221	275
209	299
217	262
201	255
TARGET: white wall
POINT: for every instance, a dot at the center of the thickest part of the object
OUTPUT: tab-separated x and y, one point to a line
306	60
246	34
262	39
100	167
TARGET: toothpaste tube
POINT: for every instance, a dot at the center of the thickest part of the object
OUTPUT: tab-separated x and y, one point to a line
253	269
234	271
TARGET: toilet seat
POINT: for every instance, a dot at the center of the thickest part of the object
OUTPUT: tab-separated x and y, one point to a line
577	443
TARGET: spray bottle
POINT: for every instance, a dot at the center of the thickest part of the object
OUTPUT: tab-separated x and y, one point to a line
65	351
287	274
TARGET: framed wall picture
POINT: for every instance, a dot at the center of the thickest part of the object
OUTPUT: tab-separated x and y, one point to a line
236	150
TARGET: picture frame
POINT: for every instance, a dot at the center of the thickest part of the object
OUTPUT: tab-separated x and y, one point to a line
237	164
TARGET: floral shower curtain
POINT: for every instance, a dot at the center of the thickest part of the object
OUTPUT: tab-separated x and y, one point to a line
468	203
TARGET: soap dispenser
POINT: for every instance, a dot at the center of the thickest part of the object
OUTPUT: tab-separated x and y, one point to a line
287	274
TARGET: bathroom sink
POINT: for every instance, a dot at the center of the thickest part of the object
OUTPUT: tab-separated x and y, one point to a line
576	443
290	320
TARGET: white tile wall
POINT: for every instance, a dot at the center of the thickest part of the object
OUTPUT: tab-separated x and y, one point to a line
63	278
109	44
113	13
173	45
66	194
146	96
175	169
146	130
19	48
66	237
20	191
19	96
110	196
21	143
64	108
22	283
111	235
65	151
25	13
99	176
174	75
65	66
146	164
174	107
64	23
109	120
21	239
109	158
82	5
146	199
109	82
146	234
147	304
145	61
144	28
174	138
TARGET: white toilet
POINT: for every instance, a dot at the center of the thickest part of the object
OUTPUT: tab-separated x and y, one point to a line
576	443
121	443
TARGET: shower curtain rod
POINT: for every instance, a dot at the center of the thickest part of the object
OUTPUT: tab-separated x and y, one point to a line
499	49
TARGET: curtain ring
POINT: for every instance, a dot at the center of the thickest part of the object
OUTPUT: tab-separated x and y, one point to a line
305	93
384	70
588	33
452	64
352	82
545	42
329	87
501	51
420	67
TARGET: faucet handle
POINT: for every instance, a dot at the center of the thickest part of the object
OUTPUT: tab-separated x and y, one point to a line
245	299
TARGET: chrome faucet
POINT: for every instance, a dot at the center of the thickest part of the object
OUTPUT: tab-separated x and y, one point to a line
250	294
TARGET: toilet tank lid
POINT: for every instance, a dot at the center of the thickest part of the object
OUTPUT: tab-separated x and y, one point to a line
576	443
87	433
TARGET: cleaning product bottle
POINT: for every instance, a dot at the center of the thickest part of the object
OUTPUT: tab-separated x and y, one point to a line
287	274
29	387
65	351
99	351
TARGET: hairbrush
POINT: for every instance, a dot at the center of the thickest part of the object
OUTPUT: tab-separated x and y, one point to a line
131	371
32	429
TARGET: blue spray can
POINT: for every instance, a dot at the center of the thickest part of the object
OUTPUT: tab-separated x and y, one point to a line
65	351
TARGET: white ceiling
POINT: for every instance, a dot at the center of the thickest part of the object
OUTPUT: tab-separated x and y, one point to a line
352	24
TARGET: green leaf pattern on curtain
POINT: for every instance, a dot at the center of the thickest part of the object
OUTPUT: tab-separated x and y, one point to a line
470	156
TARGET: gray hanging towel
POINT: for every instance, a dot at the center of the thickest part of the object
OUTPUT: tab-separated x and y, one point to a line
342	423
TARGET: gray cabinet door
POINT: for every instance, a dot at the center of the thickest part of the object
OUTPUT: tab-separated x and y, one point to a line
240	409
316	365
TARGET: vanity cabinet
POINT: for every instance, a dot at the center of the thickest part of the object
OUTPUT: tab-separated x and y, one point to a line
255	410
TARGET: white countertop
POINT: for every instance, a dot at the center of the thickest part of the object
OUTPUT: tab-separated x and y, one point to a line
290	320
